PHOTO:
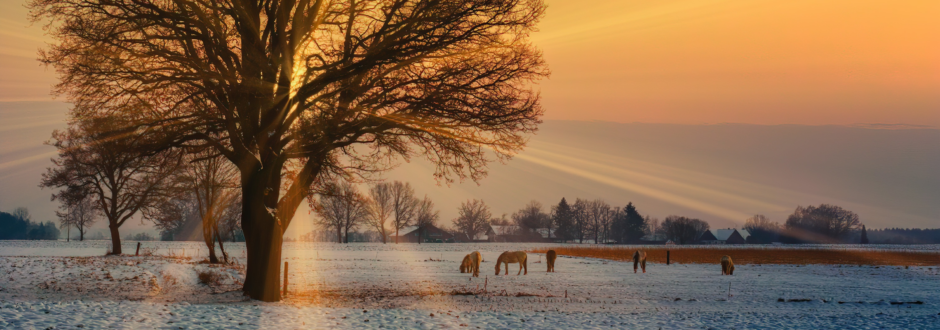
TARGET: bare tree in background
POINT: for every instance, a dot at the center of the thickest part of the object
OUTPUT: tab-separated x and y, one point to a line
99	158
22	214
652	226
380	208
531	217
292	92
582	219
425	215
829	221
473	218
79	211
341	208
608	217
207	187
683	230
598	216
404	205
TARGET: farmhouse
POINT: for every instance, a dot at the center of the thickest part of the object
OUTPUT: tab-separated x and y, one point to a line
724	236
422	234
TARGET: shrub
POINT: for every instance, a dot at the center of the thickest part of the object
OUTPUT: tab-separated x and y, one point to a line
209	277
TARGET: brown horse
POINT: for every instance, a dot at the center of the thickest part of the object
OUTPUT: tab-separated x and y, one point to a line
466	264
471	263
639	258
727	266
550	257
512	257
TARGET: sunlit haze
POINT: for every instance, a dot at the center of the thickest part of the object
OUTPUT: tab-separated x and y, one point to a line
469	164
868	64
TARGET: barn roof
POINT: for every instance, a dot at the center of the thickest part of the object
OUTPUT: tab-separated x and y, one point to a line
723	234
404	231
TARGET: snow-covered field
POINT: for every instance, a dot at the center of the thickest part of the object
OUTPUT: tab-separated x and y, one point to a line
70	285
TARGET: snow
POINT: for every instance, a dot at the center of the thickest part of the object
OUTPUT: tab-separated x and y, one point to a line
64	285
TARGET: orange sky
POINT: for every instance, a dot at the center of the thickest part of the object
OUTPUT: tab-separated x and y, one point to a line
743	61
689	61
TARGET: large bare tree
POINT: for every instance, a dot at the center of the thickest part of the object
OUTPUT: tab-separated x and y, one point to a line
100	158
294	91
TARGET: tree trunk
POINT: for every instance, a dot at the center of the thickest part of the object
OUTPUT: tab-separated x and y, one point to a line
396	234
218	237
213	259
263	238
115	240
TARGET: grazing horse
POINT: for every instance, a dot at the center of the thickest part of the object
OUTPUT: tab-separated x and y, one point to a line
466	264
471	263
727	266
550	257
639	258
512	257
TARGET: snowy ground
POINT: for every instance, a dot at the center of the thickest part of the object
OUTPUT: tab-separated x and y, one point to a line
69	285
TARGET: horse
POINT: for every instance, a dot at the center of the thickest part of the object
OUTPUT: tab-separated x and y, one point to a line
512	257
466	265
471	263
727	266
639	258
550	258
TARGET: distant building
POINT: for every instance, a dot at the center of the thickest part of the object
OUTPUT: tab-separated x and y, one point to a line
724	236
423	234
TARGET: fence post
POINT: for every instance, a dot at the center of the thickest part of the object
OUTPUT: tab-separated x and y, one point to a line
667	257
285	278
138	250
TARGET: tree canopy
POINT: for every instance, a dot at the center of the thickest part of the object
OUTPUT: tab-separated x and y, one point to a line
296	93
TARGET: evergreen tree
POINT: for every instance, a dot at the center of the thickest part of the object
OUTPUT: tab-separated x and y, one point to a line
864	239
630	226
563	221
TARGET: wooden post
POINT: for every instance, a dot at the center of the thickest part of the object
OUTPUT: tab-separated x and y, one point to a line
285	278
667	257
138	250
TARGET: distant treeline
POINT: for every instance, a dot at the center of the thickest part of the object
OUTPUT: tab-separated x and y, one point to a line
904	236
19	225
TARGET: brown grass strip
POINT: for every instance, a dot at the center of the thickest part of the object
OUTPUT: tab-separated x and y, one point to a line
744	256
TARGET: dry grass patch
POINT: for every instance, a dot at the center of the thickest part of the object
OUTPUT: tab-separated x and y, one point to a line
757	255
209	277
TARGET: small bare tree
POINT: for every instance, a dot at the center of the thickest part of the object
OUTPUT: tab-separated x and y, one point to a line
404	205
79	211
206	187
598	218
341	208
425	214
683	230
531	217
473	218
580	212
380	208
99	157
